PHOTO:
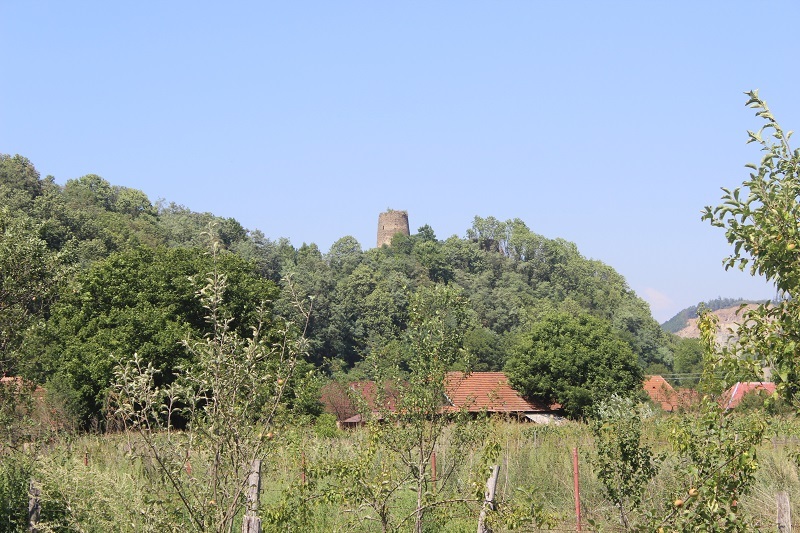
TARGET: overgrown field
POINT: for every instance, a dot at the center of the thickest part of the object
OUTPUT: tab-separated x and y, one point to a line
104	482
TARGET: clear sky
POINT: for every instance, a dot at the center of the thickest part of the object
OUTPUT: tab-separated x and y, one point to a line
609	124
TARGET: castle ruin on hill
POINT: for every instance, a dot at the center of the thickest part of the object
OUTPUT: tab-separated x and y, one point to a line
391	223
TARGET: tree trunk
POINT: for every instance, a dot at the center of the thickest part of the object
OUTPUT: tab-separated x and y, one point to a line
420	494
251	523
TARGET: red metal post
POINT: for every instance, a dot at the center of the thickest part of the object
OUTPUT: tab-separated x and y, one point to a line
577	488
433	469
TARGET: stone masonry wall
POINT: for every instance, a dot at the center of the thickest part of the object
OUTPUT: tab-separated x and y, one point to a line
390	223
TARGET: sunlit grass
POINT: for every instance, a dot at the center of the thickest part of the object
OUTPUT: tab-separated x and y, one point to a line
98	482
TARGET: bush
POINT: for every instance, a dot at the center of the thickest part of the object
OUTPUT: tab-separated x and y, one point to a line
325	426
15	475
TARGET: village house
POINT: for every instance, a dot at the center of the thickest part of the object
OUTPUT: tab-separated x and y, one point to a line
734	395
666	397
490	392
476	392
351	402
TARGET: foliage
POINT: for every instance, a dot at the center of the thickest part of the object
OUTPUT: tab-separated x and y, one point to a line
344	256
312	279
438	318
688	360
20	182
325	426
29	426
268	256
17	431
523	511
760	221
143	301
405	314
114	490
623	463
509	274
229	399
715	448
576	361
717	466
361	297
15	476
184	227
761	400
404	436
486	348
30	275
103	218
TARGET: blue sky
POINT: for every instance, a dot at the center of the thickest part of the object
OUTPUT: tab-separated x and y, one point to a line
609	124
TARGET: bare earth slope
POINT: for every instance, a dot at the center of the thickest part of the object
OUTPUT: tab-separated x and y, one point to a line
729	320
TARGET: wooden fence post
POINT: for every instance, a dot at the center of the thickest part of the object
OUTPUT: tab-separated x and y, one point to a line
34	506
577	486
488	498
784	512
433	470
251	523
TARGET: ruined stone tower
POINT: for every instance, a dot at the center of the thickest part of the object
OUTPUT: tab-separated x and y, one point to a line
390	223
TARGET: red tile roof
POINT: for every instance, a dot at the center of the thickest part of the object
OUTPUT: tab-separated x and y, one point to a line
734	396
668	398
487	391
344	401
661	392
21	384
368	390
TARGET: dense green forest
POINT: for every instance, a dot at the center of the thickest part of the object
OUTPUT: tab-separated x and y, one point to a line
91	273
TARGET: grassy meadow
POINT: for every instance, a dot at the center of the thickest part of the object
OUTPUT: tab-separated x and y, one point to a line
106	482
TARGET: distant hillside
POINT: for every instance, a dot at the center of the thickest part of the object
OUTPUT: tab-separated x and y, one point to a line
681	320
729	320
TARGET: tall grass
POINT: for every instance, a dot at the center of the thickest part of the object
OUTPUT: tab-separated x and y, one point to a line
94	483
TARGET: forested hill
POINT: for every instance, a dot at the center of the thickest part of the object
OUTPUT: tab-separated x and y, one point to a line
91	273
